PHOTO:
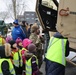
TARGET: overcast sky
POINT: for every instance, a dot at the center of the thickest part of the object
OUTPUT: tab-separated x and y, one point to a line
2	6
30	6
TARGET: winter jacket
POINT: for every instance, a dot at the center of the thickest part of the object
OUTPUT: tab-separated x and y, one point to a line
5	64
5	67
18	32
37	41
25	31
18	68
34	65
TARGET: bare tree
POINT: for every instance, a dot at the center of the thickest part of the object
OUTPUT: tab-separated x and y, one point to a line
3	15
17	7
14	8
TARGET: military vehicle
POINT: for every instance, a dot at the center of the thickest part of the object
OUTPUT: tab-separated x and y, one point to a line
3	28
60	17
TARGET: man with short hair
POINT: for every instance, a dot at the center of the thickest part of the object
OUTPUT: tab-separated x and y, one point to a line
17	31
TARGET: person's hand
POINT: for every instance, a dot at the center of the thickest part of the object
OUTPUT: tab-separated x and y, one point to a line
27	54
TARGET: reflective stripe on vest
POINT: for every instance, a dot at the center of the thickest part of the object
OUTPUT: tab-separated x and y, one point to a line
29	66
56	51
21	61
11	68
0	41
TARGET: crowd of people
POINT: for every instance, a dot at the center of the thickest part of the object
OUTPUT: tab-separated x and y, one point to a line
21	54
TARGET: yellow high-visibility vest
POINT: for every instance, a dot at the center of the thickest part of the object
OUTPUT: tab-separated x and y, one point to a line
11	68
16	60
0	41
29	66
24	49
56	50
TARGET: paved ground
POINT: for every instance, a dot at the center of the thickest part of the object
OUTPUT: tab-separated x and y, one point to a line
42	69
70	69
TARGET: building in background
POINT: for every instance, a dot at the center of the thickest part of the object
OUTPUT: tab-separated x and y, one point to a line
21	18
29	17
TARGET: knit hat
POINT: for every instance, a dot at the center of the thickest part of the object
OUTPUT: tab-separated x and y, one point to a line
16	22
31	47
11	43
18	40
8	38
26	42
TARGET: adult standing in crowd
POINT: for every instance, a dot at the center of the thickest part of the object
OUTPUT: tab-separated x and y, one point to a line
18	31
37	40
24	27
29	30
2	40
57	50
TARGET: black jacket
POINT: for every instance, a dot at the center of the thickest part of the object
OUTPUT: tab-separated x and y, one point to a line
5	64
5	68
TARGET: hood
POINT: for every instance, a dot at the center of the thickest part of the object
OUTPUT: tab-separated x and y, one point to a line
26	42
18	40
58	35
8	38
5	51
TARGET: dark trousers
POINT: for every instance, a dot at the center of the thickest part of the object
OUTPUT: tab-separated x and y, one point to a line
53	68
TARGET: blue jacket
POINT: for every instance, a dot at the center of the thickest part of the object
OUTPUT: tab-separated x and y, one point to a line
18	32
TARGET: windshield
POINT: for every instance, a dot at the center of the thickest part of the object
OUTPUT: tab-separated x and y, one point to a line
49	3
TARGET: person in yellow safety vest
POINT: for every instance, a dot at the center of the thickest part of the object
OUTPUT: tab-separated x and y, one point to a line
17	58
2	40
57	50
31	64
6	66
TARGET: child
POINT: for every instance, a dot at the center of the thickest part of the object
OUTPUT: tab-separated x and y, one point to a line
25	43
19	43
6	66
8	38
31	61
17	59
